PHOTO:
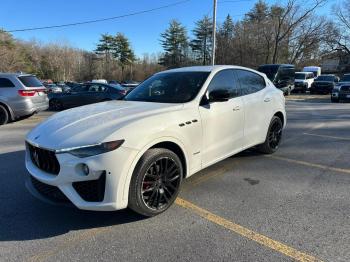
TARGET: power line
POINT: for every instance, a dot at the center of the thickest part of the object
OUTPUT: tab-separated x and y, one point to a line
99	20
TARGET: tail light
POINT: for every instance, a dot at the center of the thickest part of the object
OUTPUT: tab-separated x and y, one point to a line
123	92
30	92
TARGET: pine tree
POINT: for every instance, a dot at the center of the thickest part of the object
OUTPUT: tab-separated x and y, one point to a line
122	51
105	49
202	43
175	43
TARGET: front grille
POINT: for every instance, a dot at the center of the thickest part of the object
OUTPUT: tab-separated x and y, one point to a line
93	190
44	159
50	192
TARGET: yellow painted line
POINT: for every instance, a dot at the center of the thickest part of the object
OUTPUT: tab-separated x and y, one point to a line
67	243
299	162
325	136
245	232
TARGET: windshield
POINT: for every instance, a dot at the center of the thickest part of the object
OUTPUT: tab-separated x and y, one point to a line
300	76
30	81
170	87
325	78
345	78
270	71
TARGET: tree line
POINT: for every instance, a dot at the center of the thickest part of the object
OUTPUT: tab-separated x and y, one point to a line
278	33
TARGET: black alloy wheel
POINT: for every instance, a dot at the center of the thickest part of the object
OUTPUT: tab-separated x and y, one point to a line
160	183
275	134
4	116
273	137
156	182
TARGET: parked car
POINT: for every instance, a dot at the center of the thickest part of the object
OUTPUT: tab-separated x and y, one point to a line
324	84
130	84
113	82
135	152
85	94
53	88
316	70
282	76
341	91
20	95
101	81
303	81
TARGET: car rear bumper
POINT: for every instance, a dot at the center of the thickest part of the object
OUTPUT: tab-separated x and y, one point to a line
28	107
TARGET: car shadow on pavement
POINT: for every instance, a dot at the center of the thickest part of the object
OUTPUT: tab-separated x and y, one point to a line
24	217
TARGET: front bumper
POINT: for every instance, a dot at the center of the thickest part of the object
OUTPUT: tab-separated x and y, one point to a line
113	165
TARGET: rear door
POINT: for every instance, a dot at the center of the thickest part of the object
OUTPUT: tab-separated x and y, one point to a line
257	106
8	92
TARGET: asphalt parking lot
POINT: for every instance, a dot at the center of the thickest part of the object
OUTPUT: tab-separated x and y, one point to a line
293	205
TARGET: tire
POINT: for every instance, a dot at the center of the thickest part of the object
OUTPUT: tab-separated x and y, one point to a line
152	191
273	137
55	105
287	93
335	100
4	115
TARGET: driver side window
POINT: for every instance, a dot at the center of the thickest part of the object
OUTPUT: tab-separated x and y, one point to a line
225	80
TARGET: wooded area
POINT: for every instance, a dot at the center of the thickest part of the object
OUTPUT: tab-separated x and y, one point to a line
291	33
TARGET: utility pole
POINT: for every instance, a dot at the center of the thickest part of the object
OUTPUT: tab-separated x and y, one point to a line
214	33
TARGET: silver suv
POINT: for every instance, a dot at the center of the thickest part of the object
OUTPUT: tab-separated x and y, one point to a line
20	95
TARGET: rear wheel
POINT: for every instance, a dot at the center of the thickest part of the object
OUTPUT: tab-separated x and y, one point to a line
55	104
155	182
273	137
4	116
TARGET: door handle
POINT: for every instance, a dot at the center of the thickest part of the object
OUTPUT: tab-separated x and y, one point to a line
237	108
267	99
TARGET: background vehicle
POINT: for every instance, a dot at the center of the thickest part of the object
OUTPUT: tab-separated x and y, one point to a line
101	81
303	81
135	152
282	76
324	84
85	94
53	88
339	93
20	95
316	70
130	85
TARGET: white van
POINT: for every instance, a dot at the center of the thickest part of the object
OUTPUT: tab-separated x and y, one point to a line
303	81
99	81
316	70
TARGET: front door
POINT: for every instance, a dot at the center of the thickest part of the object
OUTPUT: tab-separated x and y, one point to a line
222	122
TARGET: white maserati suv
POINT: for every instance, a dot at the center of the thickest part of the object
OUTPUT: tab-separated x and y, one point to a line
136	152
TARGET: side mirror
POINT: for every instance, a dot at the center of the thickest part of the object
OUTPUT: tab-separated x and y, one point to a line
219	95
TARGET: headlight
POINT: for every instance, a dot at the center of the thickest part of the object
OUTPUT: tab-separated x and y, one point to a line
91	150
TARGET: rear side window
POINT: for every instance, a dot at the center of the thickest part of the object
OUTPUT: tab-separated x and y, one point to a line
30	81
4	82
250	82
225	80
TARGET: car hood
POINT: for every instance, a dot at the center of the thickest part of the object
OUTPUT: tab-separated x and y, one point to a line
93	123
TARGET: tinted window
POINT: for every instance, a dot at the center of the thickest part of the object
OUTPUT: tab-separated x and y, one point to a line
300	76
4	82
225	79
325	78
345	78
250	82
169	87
97	88
30	81
286	73
269	70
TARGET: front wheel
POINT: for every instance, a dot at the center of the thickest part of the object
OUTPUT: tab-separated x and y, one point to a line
273	137
155	182
4	116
